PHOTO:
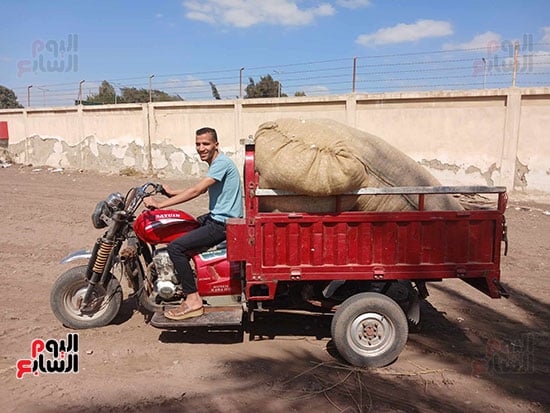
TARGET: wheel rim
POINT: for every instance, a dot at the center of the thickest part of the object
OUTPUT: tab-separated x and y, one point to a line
74	296
371	334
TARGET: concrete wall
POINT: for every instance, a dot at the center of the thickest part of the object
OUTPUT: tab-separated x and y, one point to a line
485	137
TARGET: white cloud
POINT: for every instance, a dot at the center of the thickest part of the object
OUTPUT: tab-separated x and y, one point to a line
546	37
229	91
174	81
203	17
353	4
402	32
541	58
525	62
246	13
488	39
191	87
314	90
193	83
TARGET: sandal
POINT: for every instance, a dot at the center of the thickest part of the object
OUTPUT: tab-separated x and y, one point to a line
183	313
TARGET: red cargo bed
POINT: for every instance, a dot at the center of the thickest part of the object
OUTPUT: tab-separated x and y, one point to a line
414	245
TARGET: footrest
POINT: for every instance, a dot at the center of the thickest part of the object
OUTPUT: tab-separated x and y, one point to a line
213	317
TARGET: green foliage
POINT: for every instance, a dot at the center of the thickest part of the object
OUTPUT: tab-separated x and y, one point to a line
300	93
215	93
8	100
265	88
107	94
133	95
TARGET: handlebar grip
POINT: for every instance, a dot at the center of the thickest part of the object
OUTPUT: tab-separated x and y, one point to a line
160	189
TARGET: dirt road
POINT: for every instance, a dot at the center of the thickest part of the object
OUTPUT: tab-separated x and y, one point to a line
472	353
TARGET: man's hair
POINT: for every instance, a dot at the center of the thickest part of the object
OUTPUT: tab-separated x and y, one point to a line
211	131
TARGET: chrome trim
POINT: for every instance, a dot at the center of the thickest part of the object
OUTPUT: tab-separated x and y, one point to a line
406	190
77	255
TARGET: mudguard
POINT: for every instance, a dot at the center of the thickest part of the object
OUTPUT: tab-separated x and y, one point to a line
77	255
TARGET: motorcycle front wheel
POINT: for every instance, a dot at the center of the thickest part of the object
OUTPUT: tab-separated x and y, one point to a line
68	293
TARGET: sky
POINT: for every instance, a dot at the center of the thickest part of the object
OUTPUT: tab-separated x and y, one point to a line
310	46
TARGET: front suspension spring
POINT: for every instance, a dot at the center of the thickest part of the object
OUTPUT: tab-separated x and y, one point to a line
102	256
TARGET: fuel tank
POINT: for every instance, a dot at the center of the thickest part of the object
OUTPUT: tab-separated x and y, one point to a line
161	226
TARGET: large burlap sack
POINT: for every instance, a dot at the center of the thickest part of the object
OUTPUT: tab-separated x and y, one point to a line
322	157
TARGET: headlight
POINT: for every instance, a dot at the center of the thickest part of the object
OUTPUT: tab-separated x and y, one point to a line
116	201
104	210
102	215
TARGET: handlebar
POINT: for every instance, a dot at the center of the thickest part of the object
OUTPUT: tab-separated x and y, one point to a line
136	195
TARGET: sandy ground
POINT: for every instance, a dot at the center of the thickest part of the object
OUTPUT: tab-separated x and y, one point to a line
473	353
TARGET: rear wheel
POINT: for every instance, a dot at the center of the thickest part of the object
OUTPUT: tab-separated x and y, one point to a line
369	330
68	293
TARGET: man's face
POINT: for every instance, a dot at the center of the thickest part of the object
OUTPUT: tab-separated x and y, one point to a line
206	147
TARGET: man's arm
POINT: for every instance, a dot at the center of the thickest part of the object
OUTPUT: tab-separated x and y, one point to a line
182	195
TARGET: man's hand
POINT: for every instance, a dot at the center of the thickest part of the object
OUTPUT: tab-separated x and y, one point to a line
151	202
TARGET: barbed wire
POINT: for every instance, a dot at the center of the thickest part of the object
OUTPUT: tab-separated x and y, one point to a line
485	67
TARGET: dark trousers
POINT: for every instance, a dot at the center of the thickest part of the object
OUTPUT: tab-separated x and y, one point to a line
210	233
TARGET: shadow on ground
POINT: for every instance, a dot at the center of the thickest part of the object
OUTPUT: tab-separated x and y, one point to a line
300	381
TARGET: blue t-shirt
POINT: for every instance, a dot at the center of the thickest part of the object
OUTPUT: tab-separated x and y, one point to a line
226	194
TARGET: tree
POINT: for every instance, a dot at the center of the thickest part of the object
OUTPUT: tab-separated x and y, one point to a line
215	92
300	93
107	90
265	88
8	100
107	94
133	95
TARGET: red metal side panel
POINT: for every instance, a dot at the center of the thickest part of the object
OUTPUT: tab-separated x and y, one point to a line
294	252
305	243
342	238
480	231
433	242
364	243
237	239
317	246
329	243
456	241
409	242
268	243
404	244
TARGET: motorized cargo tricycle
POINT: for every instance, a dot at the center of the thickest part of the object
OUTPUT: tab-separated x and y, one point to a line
368	271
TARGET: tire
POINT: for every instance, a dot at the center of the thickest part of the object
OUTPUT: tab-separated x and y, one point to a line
369	330
67	291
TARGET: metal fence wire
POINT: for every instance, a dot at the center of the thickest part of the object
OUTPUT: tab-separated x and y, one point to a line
521	64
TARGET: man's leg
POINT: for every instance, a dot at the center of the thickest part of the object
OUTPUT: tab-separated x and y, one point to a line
207	235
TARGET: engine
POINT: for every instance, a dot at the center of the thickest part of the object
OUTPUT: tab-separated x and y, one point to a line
166	281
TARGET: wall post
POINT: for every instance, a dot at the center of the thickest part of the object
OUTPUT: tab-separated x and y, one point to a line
351	110
146	107
510	139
